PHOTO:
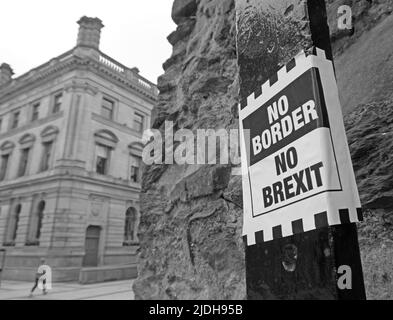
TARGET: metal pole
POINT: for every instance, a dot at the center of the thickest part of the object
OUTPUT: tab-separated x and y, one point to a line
269	34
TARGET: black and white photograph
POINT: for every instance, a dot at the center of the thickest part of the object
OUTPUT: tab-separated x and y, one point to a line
196	155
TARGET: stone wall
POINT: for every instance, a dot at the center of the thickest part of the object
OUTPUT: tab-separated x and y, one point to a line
370	136
363	56
364	64
190	229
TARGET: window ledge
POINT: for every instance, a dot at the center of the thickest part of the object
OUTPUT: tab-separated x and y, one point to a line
30	125
130	243
27	177
112	179
9	244
122	127
32	243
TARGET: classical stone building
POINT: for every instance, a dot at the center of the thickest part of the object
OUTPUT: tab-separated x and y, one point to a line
70	157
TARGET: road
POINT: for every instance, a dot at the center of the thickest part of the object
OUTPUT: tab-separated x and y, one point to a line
116	290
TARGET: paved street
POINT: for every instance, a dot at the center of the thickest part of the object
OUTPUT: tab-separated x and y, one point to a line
116	290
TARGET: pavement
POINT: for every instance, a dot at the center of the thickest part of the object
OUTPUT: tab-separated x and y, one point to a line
116	290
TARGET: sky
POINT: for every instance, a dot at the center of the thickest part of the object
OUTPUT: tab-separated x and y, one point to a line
34	31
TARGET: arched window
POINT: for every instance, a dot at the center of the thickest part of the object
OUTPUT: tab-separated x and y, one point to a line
130	226
35	225
12	226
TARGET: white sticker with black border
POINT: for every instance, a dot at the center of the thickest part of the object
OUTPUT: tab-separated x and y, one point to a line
296	167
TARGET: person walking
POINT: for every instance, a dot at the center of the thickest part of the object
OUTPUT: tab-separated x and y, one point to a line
38	275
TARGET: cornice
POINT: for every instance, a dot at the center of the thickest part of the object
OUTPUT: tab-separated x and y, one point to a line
47	72
7	186
81	86
116	125
109	74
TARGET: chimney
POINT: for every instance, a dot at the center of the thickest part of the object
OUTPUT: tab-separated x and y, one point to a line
135	69
6	73
89	32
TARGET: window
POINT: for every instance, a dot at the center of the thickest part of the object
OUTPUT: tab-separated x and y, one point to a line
105	142
35	111
135	169
24	158
4	166
129	226
26	143
40	214
102	159
15	120
107	108
138	122
46	155
48	138
36	224
57	101
6	150
12	226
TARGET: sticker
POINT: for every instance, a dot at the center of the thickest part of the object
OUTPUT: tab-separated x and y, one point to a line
296	167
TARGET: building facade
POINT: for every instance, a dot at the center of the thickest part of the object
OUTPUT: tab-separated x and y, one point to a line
70	163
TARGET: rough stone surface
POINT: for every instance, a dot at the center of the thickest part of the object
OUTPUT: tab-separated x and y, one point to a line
370	132
365	15
364	70
363	55
183	9
190	228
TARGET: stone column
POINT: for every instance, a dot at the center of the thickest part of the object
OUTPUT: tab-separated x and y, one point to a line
74	142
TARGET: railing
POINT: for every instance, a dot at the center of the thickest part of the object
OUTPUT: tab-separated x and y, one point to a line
144	84
111	64
126	72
